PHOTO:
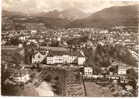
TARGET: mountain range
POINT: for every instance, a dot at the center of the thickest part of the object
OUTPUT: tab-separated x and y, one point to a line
117	15
71	18
70	14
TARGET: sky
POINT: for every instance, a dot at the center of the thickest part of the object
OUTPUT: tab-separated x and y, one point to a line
35	6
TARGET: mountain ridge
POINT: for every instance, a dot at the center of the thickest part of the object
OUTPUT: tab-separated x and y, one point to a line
107	17
116	15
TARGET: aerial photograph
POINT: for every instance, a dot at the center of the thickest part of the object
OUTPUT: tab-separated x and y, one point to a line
69	48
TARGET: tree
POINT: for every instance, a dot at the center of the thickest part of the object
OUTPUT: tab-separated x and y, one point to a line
48	78
17	58
14	41
132	74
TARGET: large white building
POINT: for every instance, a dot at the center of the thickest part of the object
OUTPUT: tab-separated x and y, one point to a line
65	57
88	71
59	57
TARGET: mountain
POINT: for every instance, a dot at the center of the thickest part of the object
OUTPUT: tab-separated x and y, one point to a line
70	14
12	20
6	13
52	14
73	14
116	15
51	19
71	18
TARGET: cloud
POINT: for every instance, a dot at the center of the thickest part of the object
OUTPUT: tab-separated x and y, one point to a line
34	6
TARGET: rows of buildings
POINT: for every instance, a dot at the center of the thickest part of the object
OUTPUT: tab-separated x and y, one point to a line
64	48
63	37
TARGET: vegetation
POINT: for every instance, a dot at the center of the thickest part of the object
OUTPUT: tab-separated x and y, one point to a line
102	56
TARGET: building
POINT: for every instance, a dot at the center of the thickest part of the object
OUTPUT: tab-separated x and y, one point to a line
38	57
122	69
65	57
81	60
88	71
118	67
59	57
21	76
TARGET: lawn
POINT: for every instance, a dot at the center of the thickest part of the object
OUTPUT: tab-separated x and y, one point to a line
95	90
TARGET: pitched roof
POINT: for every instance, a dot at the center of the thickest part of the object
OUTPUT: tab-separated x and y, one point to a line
54	48
61	53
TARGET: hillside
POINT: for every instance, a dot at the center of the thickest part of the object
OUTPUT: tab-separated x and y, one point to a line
73	14
51	19
117	15
71	18
10	20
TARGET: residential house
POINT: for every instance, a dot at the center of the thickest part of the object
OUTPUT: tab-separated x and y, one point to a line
88	71
81	58
88	74
124	79
39	56
122	70
21	76
118	67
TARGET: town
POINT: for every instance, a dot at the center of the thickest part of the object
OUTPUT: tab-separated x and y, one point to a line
69	48
73	61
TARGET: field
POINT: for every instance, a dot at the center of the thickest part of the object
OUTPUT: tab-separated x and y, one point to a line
94	90
73	84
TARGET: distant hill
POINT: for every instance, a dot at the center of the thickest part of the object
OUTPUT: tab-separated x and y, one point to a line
10	19
73	14
6	13
52	14
116	15
69	14
71	18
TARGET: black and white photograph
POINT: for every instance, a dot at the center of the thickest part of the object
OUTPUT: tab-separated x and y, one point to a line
69	48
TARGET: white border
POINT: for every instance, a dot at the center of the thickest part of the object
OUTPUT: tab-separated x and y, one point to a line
126	0
21	97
